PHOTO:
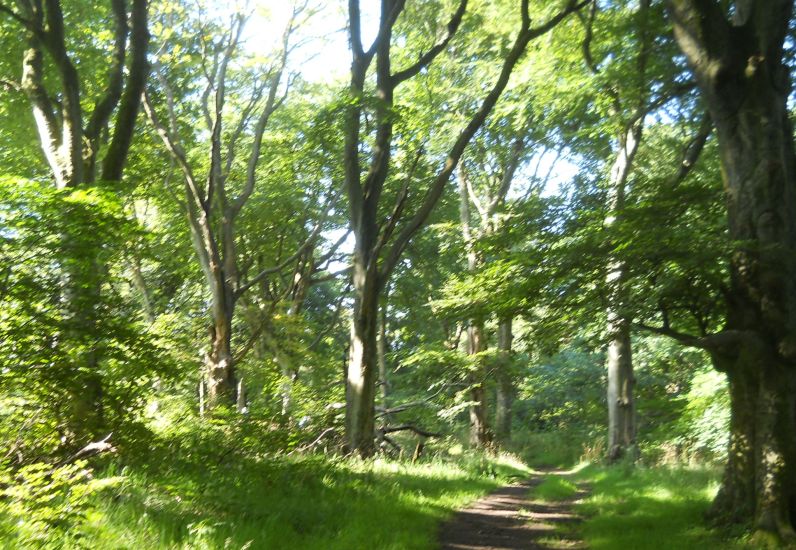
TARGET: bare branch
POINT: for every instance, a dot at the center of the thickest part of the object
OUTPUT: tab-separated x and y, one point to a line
694	149
215	176
517	148
337	244
27	23
271	105
277	268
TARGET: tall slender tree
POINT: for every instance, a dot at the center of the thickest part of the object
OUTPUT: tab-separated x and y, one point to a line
211	210
378	246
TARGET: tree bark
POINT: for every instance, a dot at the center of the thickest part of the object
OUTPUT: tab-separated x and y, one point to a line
734	502
383	346
504	400
363	361
739	66
621	405
220	364
480	434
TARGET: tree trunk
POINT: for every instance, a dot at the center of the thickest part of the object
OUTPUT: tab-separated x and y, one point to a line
363	360
739	67
505	385
621	406
383	348
81	295
220	365
480	435
734	502
756	145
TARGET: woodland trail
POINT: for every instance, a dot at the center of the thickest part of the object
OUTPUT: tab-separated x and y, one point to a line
509	519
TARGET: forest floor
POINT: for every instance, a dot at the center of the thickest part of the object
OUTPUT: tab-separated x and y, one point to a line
513	518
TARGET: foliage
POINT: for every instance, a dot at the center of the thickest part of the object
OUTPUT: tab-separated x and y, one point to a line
48	236
42	505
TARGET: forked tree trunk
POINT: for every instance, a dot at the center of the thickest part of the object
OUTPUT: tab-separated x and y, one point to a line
378	247
70	137
504	400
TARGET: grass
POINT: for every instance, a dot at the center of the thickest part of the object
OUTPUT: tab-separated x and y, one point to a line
553	488
649	509
196	502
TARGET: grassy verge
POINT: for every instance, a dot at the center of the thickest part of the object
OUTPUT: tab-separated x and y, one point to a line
649	508
203	503
553	488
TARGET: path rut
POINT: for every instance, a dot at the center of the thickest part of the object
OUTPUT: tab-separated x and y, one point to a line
509	520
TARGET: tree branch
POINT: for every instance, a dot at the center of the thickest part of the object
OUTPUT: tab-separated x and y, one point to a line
526	34
428	57
409	427
723	342
277	268
105	106
119	147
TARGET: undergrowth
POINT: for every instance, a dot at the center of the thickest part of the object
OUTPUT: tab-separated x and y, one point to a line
214	494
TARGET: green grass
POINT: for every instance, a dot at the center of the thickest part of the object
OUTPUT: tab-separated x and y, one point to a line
273	503
649	508
553	488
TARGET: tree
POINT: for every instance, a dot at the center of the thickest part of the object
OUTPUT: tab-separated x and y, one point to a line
376	250
737	56
211	210
484	184
83	149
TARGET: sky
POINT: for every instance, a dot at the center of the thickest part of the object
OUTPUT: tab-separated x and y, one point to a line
323	54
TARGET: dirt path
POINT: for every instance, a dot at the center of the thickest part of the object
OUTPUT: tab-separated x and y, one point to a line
508	520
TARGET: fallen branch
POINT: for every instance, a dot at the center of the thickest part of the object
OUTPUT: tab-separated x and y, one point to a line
95	448
315	443
409	427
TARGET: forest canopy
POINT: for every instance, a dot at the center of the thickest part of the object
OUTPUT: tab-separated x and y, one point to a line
351	248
